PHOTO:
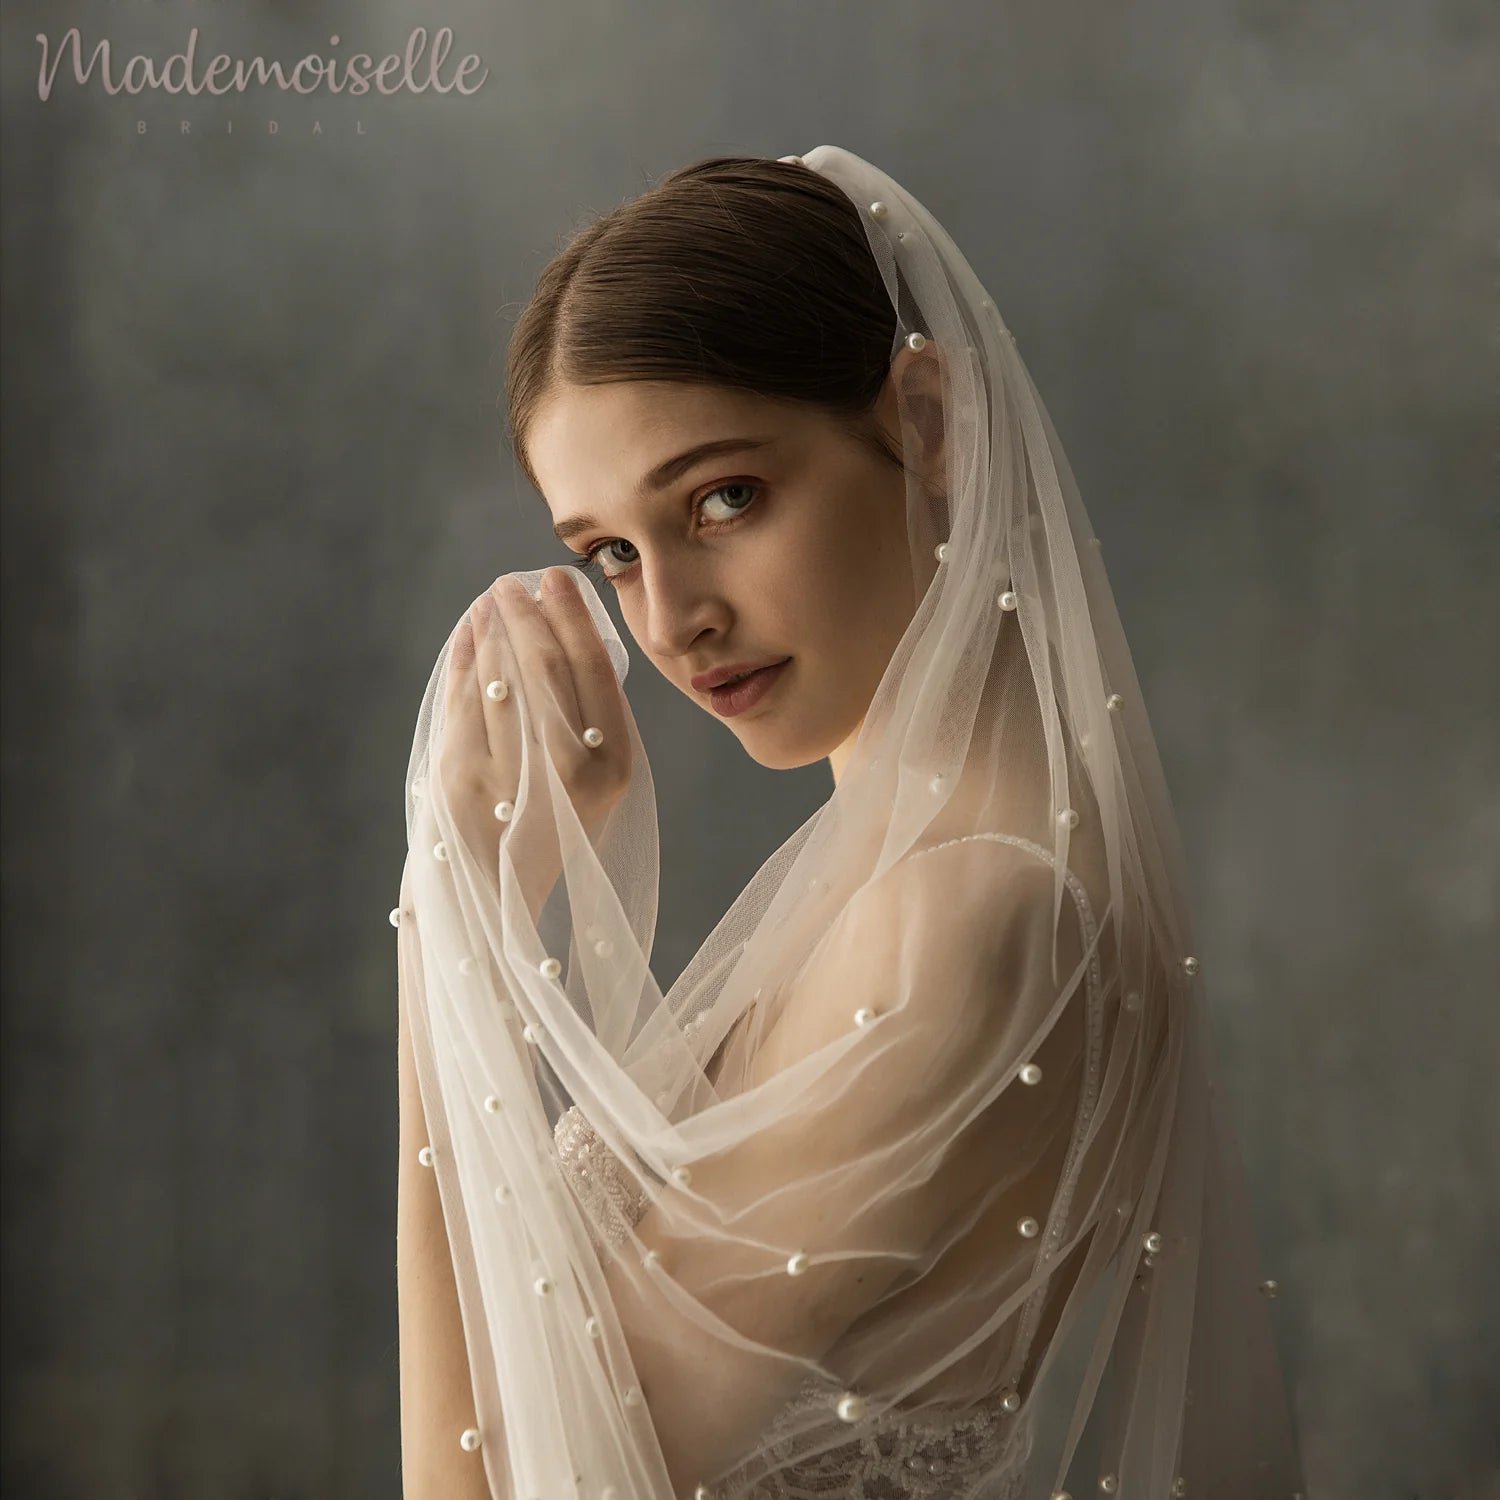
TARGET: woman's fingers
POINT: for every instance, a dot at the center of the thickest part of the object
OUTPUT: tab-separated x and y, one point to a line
601	704
601	772
549	654
539	658
494	661
464	737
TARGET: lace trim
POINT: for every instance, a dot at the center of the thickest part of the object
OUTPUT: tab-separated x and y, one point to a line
613	1203
929	1457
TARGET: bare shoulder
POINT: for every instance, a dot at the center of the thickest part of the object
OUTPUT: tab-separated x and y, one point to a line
936	947
988	892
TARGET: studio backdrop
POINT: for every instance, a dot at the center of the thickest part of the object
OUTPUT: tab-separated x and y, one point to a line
254	468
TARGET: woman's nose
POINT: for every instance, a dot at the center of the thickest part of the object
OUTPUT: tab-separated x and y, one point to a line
680	604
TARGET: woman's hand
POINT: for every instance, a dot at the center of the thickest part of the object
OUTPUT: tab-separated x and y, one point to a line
549	650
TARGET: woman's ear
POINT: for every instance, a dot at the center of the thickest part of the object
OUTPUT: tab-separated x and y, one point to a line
914	391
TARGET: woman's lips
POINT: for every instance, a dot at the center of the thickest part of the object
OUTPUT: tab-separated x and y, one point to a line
739	696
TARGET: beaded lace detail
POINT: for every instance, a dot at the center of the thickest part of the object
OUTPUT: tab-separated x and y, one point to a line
894	1457
612	1202
897	1457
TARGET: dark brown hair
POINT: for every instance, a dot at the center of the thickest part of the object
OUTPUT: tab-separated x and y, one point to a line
737	271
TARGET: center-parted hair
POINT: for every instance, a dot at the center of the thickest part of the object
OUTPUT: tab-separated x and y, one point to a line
734	271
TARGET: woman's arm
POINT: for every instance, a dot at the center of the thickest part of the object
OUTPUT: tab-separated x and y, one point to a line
437	1399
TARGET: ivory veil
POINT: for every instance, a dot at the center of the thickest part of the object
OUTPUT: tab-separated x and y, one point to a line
916	1180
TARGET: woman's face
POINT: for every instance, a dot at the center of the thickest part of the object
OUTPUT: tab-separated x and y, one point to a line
795	548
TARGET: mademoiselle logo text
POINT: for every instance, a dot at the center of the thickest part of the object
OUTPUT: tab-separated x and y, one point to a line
412	71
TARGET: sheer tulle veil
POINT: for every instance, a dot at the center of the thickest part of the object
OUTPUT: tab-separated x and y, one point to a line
927	1131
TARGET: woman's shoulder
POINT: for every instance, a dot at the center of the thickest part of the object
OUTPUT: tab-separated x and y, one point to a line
969	914
1003	864
975	872
928	944
948	905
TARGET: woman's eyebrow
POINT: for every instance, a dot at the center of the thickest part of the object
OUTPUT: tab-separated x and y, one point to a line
665	473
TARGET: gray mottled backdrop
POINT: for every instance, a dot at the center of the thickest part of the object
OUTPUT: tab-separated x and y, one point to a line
254	470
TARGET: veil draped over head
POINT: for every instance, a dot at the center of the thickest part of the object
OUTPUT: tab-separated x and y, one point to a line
915	1182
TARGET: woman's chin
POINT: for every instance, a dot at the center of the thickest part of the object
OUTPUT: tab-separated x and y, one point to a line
773	740
777	752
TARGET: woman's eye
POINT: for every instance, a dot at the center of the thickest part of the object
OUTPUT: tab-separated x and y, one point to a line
600	556
734	510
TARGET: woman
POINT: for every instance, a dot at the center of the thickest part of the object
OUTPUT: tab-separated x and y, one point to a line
913	1182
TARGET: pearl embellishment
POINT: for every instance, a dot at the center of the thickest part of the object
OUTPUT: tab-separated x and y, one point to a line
651	1258
492	1104
550	968
439	850
940	551
395	916
681	1176
1114	703
797	1263
502	1193
1011	1401
1030	1073
1270	1288
1008	599
425	1156
1028	1228
851	1407
878	210
497	691
505	811
542	1287
1068	818
1190	966
466	966
1152	1243
592	1328
529	1033
593	737
915	342
1109	1484
469	1441
863	1016
1179	1487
